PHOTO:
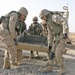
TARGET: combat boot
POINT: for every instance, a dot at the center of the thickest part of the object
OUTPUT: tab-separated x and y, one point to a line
14	66
62	70
19	54
36	54
31	56
21	57
18	62
6	64
48	69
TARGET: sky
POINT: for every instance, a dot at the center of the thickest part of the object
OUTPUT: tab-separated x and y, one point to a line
35	6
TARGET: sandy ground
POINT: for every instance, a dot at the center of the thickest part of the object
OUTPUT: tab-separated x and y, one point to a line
30	67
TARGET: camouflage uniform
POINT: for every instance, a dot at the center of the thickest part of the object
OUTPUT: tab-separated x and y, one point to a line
44	28
9	34
54	35
34	29
60	49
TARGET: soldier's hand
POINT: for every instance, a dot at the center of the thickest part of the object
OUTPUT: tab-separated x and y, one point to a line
65	35
52	55
49	48
41	34
15	41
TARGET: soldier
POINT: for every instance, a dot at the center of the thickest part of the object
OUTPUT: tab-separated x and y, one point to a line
9	36
34	29
54	34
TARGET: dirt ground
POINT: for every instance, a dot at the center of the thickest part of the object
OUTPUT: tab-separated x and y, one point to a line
30	67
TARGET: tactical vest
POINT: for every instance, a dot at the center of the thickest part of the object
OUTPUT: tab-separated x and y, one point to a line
35	29
19	27
56	28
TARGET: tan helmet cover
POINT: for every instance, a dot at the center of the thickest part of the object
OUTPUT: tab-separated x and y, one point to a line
43	12
35	18
23	11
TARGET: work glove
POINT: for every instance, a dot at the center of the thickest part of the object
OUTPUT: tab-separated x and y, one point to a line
15	41
52	55
65	35
41	34
49	48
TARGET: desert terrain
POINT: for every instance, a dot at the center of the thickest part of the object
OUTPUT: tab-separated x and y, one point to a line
30	67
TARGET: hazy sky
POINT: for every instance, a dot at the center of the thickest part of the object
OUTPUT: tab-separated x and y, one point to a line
35	6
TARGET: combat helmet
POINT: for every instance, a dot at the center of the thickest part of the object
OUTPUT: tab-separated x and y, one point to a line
23	11
43	12
35	18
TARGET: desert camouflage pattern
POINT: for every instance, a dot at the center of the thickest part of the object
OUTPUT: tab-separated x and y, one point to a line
35	29
8	35
55	32
23	11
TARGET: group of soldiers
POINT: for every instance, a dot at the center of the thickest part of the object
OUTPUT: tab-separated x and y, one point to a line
54	25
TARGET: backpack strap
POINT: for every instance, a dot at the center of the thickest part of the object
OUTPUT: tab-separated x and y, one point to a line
14	12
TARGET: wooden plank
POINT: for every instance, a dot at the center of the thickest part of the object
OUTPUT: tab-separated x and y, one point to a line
32	43
32	47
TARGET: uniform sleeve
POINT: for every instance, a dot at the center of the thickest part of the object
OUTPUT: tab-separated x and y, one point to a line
50	37
12	23
50	33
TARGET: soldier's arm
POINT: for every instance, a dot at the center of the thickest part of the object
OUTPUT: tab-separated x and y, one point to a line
31	29
12	23
50	38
